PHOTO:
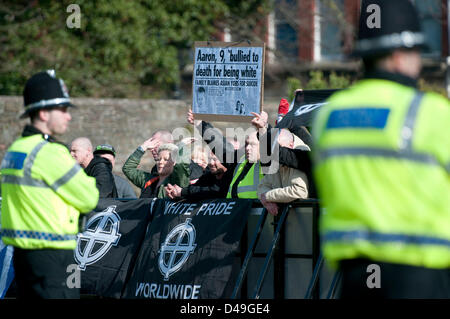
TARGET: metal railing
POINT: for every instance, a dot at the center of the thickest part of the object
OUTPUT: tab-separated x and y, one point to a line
276	254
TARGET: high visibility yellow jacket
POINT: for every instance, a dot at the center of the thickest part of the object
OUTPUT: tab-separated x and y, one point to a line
43	191
382	162
248	186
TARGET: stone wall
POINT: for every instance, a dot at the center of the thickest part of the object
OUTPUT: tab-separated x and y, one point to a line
123	123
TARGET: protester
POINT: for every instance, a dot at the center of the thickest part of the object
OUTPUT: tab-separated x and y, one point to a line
297	158
44	190
381	166
199	162
163	136
94	165
195	154
200	155
246	170
168	170
124	189
287	184
158	138
235	142
213	184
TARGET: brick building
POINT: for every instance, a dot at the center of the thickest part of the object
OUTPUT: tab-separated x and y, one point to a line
323	30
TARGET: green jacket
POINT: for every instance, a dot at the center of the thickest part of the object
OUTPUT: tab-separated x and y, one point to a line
179	176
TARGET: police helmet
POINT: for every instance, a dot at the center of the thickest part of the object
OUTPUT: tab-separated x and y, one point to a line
43	90
387	25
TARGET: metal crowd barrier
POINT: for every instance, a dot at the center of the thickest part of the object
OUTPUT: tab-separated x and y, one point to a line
277	255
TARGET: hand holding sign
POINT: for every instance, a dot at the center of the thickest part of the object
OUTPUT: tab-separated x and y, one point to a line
191	119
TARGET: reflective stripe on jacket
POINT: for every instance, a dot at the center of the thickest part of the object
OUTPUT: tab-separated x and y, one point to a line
382	170
248	186
43	191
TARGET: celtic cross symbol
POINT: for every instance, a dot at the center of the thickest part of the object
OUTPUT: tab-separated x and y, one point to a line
102	232
176	249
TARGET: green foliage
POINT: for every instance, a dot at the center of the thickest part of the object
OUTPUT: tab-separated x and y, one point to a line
336	82
292	85
122	49
432	87
318	81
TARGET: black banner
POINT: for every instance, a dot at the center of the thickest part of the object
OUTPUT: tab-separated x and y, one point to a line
306	104
108	246
189	250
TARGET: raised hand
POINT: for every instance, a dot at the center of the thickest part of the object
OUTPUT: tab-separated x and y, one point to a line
260	120
151	144
191	119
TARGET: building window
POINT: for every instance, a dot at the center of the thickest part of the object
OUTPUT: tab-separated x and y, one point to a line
332	21
430	14
286	25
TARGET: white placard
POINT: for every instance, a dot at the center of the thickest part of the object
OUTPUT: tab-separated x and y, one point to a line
227	80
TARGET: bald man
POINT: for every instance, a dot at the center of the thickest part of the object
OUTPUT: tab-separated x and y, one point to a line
94	165
82	151
287	184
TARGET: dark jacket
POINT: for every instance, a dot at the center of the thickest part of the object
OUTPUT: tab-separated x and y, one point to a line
196	171
208	186
222	148
101	169
124	189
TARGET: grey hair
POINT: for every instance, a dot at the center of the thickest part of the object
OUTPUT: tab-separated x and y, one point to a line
172	148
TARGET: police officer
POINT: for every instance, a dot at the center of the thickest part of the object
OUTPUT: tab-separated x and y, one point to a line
382	167
44	190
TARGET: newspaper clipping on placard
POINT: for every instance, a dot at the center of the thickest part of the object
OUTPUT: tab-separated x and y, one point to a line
227	80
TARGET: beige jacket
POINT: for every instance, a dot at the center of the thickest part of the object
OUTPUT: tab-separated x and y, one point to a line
288	184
